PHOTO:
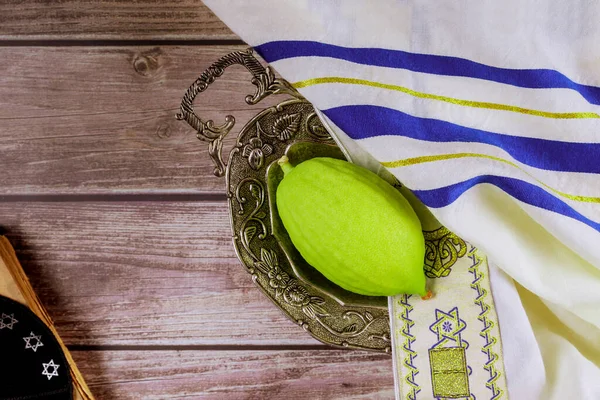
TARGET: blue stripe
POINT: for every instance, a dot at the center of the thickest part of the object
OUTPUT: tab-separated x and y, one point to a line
430	64
364	121
521	190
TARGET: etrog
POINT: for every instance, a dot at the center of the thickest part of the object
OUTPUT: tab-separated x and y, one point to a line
352	226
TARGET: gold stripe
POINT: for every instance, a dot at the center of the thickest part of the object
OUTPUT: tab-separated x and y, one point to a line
440	157
467	103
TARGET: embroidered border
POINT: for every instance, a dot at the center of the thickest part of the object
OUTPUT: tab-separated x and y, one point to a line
488	324
410	353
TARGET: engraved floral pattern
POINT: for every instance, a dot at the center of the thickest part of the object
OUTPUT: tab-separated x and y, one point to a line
293	293
278	280
256	150
296	295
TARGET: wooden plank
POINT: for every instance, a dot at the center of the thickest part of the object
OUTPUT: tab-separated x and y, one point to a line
102	120
314	374
115	19
147	273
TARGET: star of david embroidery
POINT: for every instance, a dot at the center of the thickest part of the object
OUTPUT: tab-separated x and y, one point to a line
33	342
448	327
52	373
11	321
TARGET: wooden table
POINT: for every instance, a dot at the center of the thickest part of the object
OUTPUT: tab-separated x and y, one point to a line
120	225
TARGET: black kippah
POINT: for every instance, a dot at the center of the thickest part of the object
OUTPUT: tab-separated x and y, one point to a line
32	364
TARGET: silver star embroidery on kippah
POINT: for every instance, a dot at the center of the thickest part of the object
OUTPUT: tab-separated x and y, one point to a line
33	342
11	321
54	369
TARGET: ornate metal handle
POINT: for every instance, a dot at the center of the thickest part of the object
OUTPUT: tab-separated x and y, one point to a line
265	82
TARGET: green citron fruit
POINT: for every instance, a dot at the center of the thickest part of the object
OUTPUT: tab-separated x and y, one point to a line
352	226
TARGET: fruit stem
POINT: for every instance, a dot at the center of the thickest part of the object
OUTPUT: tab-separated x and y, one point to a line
284	163
428	295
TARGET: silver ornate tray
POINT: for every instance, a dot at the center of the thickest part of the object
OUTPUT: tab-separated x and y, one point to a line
330	313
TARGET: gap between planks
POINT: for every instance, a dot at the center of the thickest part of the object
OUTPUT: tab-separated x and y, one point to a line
217	347
114	197
117	42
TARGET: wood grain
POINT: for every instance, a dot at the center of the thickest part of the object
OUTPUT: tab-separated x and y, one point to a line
148	273
331	374
102	120
113	19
